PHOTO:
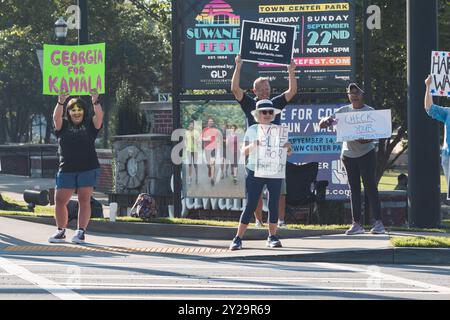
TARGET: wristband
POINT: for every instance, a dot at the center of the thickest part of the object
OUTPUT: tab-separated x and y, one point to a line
61	104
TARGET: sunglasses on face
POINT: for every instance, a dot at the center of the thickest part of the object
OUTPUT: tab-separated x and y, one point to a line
265	112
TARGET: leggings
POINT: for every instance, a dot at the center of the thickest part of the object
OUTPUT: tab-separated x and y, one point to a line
254	187
363	167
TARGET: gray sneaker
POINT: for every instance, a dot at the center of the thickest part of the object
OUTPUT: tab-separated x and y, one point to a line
58	237
355	229
236	244
273	242
79	238
378	228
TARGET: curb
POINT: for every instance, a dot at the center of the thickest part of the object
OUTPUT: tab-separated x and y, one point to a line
390	255
179	231
418	256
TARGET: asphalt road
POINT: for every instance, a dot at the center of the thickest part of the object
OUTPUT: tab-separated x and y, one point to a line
117	266
157	276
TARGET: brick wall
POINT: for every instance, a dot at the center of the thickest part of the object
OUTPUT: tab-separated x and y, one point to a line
158	115
105	181
162	122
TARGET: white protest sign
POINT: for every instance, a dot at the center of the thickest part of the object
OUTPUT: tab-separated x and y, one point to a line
365	125
440	72
271	156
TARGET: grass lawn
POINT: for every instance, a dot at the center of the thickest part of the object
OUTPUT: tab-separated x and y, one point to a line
421	242
389	180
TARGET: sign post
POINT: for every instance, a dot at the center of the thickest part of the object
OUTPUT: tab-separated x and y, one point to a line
423	133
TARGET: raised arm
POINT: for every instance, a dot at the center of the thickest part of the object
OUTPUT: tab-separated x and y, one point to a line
235	88
428	102
292	91
97	119
58	112
326	122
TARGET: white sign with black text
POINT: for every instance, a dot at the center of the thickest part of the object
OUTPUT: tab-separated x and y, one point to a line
440	72
271	155
364	125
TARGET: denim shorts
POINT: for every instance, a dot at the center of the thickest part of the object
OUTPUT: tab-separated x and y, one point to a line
75	180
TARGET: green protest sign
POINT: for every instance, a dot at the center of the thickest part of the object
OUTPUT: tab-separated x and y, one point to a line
75	70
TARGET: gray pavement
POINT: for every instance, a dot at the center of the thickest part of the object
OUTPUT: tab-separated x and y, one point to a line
115	266
298	245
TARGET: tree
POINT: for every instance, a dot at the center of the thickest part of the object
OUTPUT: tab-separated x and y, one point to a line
389	72
138	51
129	119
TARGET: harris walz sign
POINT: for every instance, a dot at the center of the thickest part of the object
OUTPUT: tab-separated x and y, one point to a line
267	42
324	45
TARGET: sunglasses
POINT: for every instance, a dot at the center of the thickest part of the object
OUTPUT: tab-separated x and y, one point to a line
265	112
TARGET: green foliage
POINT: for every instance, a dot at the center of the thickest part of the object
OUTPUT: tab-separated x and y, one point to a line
221	113
130	120
137	51
421	242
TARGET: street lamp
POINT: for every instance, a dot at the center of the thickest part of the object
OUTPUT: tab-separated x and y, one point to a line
61	30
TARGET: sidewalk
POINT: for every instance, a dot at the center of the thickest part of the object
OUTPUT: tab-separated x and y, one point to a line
29	235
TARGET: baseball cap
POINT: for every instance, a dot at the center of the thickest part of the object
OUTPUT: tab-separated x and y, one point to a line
353	86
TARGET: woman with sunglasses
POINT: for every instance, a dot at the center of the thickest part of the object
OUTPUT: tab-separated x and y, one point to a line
264	114
78	163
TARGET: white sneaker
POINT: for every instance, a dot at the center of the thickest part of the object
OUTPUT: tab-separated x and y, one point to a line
78	238
58	237
355	229
259	224
378	228
282	224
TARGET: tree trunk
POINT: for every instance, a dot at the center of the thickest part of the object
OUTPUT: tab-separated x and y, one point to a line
385	148
3	131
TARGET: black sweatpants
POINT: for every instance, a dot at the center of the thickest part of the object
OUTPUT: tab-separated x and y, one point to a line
363	167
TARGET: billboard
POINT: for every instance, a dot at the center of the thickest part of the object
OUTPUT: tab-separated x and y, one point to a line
323	48
312	144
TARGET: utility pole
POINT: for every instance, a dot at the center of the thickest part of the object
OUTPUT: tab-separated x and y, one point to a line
83	31
423	132
176	110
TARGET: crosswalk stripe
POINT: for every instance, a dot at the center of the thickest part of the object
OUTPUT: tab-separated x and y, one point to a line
48	285
380	275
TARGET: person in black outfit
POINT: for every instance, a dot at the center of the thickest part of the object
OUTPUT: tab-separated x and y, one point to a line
78	163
